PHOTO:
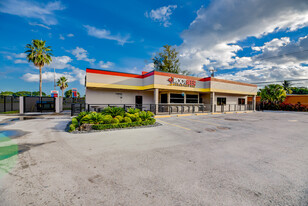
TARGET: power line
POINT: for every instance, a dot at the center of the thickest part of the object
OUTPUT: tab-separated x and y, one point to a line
291	80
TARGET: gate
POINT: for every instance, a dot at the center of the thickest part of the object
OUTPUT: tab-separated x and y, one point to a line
9	103
39	104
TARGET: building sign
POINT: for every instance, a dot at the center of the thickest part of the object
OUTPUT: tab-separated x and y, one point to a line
74	93
181	82
54	93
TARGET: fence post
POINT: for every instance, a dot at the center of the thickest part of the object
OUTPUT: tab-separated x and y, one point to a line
4	106
21	105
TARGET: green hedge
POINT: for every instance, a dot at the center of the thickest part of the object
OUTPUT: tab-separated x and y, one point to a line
123	125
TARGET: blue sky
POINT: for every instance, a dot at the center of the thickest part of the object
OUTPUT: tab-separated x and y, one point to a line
230	36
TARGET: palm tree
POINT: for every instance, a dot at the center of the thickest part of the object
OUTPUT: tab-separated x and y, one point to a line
273	93
62	83
40	55
287	86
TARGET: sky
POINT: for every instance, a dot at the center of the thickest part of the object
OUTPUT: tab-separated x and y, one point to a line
249	41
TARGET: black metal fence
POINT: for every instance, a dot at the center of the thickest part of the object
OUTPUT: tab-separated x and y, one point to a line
9	103
68	101
76	108
175	108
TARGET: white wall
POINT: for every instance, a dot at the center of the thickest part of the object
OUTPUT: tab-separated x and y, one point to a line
110	96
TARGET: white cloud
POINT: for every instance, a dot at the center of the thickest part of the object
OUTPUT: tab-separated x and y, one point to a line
41	25
148	67
79	75
20	61
75	74
45	12
60	62
105	65
82	54
70	35
61	37
274	44
47	77
106	34
211	40
161	14
20	55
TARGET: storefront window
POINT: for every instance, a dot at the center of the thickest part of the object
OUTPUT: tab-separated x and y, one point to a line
241	101
164	98
176	98
191	98
221	100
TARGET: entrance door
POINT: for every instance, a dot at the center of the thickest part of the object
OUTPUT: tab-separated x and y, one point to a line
138	102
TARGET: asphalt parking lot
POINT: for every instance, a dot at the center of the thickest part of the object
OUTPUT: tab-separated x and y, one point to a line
256	158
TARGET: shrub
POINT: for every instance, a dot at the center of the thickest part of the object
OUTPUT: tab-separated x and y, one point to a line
115	121
133	111
127	120
120	118
123	125
75	122
114	111
71	128
145	115
107	119
92	118
133	117
81	115
138	119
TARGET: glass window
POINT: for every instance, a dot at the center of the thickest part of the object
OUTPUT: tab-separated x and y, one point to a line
176	98
221	100
191	98
241	101
164	98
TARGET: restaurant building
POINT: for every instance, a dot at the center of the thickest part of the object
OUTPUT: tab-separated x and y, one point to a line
166	92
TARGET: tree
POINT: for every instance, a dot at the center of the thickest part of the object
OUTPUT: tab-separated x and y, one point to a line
7	93
39	55
273	93
69	93
287	86
167	61
299	90
62	83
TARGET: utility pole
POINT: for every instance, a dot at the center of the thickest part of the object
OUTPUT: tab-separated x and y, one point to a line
54	79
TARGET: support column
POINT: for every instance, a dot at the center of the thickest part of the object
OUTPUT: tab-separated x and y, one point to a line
212	101
254	101
57	109
168	98
21	105
156	92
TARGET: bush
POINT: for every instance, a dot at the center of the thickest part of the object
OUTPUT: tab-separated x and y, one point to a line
72	128
284	106
115	121
120	118
127	120
107	119
145	115
75	122
123	125
92	118
81	115
133	117
114	111
133	111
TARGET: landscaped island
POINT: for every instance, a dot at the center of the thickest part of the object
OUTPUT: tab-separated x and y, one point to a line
110	118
